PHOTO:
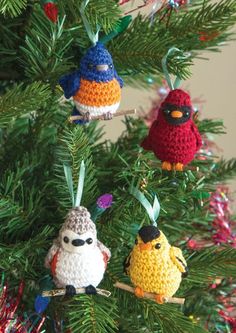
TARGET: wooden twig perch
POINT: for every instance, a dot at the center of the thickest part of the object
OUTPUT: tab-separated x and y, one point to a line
152	296
101	117
62	292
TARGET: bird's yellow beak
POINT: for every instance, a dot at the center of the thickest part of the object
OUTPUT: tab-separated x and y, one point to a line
145	246
176	114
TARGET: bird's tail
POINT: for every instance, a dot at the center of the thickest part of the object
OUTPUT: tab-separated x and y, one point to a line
185	272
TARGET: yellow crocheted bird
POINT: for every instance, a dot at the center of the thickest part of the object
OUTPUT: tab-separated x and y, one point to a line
154	265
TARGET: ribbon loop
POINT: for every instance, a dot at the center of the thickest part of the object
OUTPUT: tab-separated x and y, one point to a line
156	208
152	211
177	81
69	179
80	185
92	36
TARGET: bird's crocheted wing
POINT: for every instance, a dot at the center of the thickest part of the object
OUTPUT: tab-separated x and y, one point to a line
105	251
126	264
197	136
119	79
70	84
51	253
147	142
178	260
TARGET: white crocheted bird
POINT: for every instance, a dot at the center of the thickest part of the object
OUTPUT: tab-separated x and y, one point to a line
77	258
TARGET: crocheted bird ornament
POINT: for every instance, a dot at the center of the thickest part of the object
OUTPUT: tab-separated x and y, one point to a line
77	259
96	86
173	136
154	265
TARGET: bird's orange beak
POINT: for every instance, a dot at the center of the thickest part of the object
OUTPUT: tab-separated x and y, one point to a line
145	246
176	114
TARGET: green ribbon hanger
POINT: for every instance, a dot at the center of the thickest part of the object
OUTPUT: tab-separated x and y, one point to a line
76	199
92	36
153	211
177	81
121	26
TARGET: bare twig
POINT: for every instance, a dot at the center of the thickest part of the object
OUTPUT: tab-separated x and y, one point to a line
152	296
62	292
101	117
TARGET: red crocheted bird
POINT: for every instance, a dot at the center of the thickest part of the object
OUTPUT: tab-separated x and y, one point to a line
173	136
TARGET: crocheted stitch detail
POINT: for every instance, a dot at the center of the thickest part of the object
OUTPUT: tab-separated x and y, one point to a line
153	270
171	143
79	270
178	97
78	220
98	94
95	110
97	55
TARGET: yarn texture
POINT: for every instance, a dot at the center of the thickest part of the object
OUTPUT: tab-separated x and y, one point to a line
156	266
77	258
96	86
173	141
79	270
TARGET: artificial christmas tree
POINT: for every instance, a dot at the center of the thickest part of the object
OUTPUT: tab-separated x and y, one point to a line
37	141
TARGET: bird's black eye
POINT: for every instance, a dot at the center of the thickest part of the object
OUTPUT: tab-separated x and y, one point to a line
66	239
157	246
90	66
89	241
167	111
111	66
186	114
136	241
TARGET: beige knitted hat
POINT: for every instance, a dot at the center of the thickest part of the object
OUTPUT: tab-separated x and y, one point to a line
79	220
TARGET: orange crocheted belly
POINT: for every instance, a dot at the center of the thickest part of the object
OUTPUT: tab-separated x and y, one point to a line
94	93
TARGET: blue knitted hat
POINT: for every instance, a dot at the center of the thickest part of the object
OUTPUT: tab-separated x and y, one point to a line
97	55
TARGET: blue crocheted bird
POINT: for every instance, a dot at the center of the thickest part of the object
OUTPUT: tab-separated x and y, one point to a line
96	86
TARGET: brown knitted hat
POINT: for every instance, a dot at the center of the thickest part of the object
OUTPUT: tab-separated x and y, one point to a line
79	220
